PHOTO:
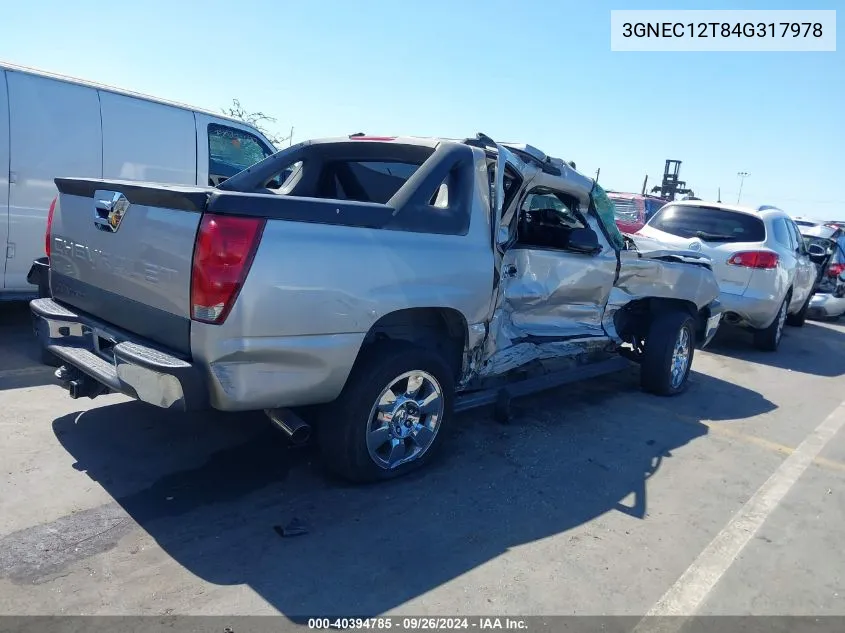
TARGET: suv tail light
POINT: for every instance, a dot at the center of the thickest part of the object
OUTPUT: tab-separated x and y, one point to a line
223	254
47	233
754	259
834	270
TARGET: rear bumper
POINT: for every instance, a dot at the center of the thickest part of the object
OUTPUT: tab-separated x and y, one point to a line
756	312
92	350
826	306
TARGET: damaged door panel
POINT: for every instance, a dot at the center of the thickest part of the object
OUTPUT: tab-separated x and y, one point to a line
556	278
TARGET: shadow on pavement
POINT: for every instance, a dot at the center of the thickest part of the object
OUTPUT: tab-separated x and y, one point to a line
20	354
210	488
814	349
14	314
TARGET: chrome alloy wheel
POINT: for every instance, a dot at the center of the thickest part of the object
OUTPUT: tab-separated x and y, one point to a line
405	419
680	357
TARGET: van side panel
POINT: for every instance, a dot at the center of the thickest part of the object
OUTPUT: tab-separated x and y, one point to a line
4	171
54	132
147	141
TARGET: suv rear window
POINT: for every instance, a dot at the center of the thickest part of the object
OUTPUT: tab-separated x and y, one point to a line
709	224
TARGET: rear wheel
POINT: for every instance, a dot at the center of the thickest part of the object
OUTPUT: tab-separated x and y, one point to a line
798	319
667	354
768	338
392	415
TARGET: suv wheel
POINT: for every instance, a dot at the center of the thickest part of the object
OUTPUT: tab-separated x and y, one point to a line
798	319
667	356
392	415
768	338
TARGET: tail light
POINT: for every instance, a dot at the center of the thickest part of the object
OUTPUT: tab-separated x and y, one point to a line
223	254
48	232
834	270
754	259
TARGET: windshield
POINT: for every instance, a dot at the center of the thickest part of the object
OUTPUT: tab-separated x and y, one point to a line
710	224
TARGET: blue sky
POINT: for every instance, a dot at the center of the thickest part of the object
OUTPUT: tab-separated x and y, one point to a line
536	71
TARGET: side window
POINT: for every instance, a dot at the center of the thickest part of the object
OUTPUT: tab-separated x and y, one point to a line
230	151
651	207
797	237
549	208
783	234
546	220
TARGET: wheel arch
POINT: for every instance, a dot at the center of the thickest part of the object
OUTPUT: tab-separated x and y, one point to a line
637	314
441	328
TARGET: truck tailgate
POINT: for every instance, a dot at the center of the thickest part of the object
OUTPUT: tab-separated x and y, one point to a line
122	252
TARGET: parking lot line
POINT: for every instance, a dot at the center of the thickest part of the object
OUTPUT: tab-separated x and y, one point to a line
686	596
724	429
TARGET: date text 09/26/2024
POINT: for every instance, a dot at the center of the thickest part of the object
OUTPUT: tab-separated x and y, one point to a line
419	623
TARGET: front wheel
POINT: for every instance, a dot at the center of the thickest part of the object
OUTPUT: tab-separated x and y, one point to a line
392	415
667	354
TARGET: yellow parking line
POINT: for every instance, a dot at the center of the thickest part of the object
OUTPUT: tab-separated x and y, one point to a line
723	429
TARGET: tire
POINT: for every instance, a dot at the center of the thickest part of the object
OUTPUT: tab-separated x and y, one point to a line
668	331
798	319
768	339
345	425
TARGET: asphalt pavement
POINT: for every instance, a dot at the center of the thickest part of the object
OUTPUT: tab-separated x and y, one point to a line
596	499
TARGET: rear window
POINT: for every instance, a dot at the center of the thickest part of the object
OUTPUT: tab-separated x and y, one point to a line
364	181
709	224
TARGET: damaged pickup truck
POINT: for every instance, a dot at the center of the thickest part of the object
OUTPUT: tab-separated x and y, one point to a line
391	282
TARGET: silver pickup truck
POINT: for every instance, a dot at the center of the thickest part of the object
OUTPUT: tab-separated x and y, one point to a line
391	282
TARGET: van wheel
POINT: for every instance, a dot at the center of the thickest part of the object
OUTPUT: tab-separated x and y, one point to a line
768	338
667	356
798	319
392	415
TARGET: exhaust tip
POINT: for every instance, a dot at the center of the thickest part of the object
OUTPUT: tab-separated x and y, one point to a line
297	429
301	435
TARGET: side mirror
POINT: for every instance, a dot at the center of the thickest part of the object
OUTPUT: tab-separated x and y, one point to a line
583	241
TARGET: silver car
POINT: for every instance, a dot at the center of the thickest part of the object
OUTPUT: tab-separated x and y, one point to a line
765	274
826	245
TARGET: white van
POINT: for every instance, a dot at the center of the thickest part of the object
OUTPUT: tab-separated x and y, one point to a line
53	126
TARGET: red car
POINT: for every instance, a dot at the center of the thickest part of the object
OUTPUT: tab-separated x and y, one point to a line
633	210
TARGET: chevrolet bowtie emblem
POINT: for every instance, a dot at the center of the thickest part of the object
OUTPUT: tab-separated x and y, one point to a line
109	209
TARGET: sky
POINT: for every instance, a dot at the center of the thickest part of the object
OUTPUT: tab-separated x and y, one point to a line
533	71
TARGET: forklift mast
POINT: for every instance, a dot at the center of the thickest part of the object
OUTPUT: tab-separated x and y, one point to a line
671	186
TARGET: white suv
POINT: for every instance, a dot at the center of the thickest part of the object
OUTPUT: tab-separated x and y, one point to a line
765	274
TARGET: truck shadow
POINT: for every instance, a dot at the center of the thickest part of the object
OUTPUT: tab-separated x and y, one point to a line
817	349
20	360
569	456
